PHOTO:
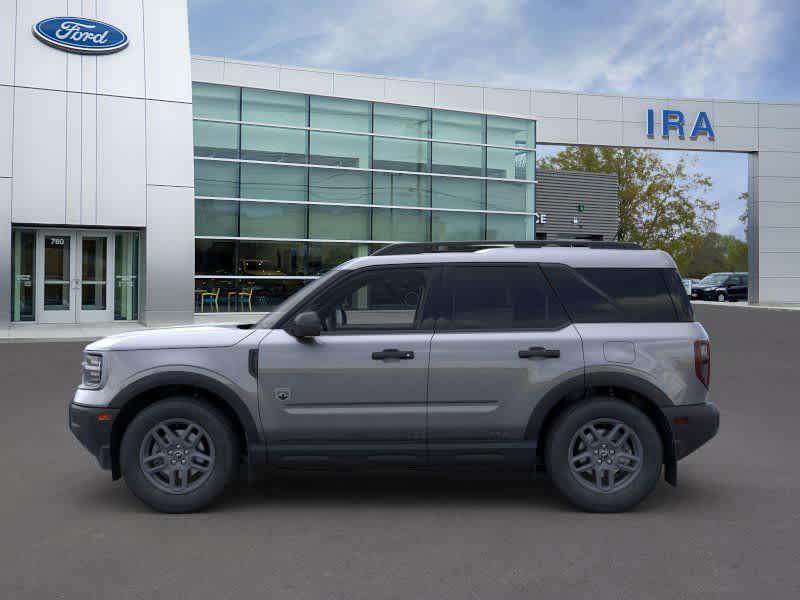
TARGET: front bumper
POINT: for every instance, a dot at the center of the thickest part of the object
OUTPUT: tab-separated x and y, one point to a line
92	427
692	426
705	294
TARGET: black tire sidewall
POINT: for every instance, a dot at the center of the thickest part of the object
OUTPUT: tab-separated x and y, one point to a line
218	428
557	447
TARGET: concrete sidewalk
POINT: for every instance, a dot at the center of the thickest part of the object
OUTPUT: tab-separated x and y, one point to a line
35	332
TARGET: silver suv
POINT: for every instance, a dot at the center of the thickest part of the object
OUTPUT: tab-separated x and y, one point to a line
582	361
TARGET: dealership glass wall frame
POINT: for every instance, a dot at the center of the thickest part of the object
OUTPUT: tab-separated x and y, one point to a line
289	185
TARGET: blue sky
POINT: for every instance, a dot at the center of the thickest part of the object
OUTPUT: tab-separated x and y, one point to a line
740	49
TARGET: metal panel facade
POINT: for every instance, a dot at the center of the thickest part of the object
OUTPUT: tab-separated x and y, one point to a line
73	128
577	204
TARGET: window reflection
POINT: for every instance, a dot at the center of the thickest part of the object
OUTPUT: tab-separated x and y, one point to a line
280	108
323	257
215	101
443	166
271	258
219	140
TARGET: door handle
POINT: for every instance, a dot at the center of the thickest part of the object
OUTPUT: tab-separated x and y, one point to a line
539	352
393	353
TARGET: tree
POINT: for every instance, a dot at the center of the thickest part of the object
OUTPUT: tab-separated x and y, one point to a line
745	216
661	204
700	255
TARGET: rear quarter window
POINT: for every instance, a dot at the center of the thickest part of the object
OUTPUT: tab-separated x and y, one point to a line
607	295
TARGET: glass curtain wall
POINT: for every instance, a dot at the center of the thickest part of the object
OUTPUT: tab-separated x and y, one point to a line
290	185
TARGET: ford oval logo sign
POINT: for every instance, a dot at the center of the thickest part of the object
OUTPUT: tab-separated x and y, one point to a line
76	34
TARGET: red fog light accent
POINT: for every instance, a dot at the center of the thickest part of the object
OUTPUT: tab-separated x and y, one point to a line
702	361
105	417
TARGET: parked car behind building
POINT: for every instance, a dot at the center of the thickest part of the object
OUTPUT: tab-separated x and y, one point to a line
722	287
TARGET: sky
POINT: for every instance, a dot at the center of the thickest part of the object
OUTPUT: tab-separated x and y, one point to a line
733	49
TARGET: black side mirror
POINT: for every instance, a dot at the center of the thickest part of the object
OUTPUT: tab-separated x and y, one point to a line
305	325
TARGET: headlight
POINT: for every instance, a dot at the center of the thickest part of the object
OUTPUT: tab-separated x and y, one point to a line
92	371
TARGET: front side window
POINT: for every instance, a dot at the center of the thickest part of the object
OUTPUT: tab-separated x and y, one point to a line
376	300
492	298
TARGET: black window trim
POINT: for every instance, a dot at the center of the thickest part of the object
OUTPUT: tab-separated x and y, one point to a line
533	265
346	276
611	300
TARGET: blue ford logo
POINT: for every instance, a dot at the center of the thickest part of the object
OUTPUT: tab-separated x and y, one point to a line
76	34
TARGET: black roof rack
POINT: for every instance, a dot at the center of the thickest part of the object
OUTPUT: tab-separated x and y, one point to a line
423	247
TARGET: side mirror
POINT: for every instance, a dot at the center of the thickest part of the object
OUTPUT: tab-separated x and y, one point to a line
305	325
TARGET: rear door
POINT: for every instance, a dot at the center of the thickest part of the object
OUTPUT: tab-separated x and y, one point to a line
502	341
357	392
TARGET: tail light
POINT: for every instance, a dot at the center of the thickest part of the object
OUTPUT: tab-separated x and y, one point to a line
702	361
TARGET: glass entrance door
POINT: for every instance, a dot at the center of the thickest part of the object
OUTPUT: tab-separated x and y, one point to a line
73	273
55	273
94	302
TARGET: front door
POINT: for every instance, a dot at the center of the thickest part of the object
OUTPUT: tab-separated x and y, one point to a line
357	392
74	271
502	341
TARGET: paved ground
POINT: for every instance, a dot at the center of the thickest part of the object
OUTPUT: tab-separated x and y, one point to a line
730	530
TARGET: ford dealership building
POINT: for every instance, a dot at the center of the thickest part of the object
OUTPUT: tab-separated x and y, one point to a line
140	183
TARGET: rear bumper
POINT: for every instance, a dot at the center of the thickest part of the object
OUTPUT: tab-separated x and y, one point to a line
692	425
92	427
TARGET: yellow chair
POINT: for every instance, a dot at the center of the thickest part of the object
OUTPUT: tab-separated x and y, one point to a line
246	295
211	298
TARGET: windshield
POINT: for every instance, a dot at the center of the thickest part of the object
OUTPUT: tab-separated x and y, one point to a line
269	320
714	279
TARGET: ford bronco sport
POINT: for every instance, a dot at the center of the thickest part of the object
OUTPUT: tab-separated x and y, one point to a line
582	361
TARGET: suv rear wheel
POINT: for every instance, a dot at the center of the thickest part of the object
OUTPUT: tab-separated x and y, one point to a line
179	454
604	455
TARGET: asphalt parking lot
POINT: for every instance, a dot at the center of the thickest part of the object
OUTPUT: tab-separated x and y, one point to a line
731	529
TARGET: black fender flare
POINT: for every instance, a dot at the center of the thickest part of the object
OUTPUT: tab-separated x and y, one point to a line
255	441
632	382
577	387
572	388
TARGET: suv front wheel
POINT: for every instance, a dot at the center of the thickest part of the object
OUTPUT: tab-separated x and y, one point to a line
179	454
604	455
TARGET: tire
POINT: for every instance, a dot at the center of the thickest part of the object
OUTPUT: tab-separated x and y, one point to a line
623	488
721	297
153	440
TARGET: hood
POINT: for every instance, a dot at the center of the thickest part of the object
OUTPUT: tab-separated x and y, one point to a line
192	336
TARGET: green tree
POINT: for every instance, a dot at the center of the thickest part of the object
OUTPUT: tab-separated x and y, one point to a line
661	204
699	255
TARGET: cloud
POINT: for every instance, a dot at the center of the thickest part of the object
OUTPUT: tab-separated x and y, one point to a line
687	47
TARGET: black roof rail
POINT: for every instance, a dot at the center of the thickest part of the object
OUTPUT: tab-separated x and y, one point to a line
472	246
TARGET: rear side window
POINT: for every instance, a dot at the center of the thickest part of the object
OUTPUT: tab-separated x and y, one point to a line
616	295
492	297
680	299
